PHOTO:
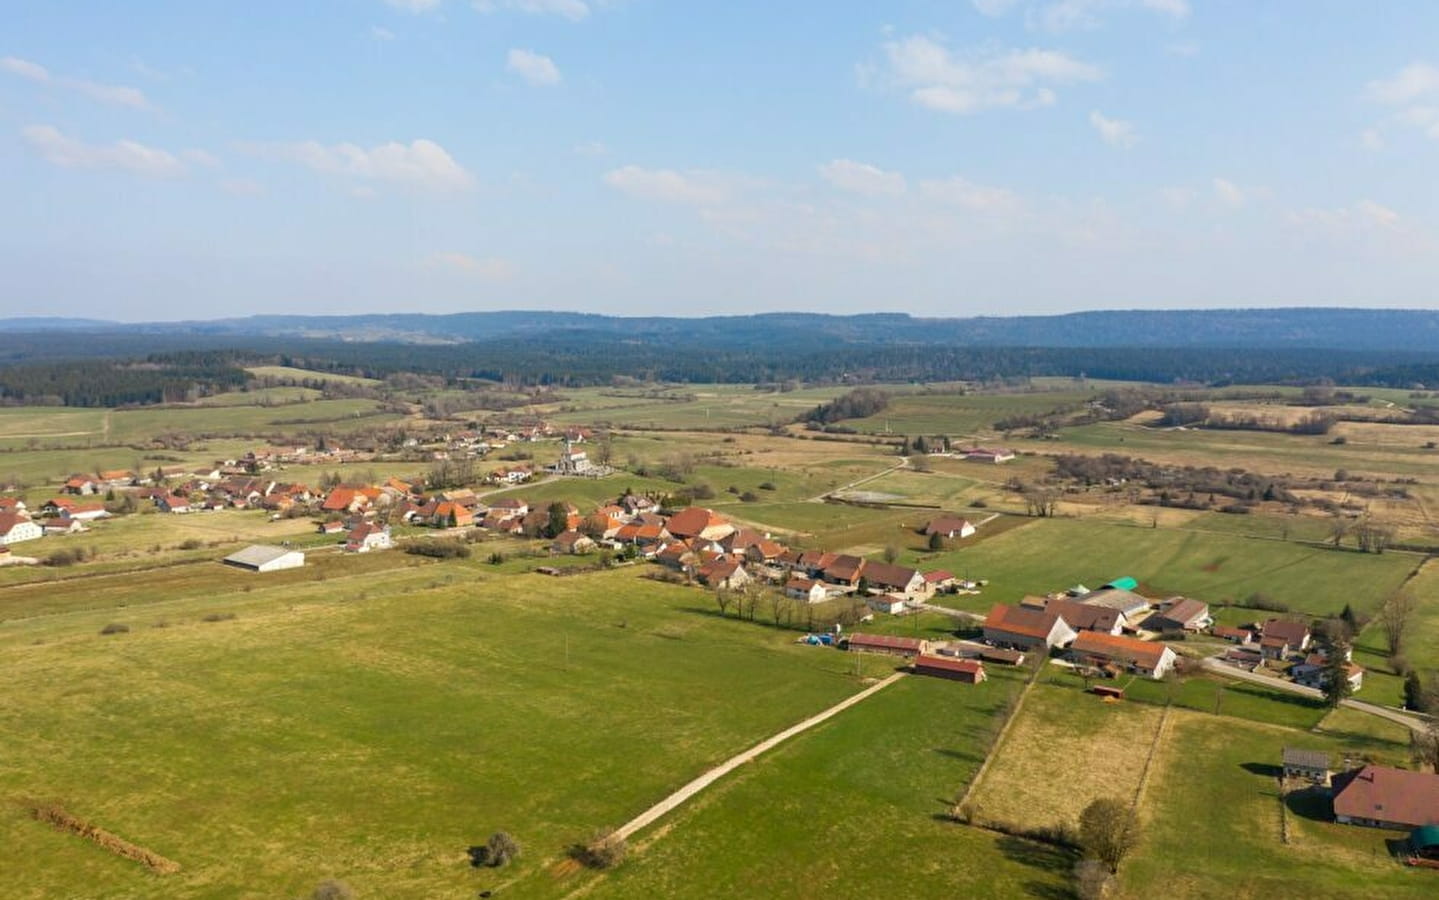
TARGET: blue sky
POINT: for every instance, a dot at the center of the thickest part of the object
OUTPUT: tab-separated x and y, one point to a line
163	160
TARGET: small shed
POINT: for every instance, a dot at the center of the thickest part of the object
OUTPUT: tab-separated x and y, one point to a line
1310	765
1125	583
260	558
970	671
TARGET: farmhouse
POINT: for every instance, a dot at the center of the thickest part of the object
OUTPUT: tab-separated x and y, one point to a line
1132	605
573	542
969	671
886	603
994	456
938	580
1294	634
1080	616
1310	765
696	521
368	536
15	528
896	579
1314	672
1180	614
949	527
260	558
171	503
1019	628
1142	657
806	589
844	569
723	573
80	485
1382	797
62	525
887	644
1241	636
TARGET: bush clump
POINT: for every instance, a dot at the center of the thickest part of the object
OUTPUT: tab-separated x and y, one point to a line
115	628
501	849
439	549
605	850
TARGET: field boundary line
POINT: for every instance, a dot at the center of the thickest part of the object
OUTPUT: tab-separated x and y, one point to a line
678	798
999	738
1160	732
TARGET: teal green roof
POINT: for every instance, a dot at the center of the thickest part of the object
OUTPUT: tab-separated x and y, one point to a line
1424	836
1124	584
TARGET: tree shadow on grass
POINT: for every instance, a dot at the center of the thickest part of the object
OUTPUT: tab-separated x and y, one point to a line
960	755
1265	769
1046	858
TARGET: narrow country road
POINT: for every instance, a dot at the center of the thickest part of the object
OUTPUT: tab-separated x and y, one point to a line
1414	723
676	799
903	462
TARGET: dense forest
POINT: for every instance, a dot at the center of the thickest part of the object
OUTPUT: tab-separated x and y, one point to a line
106	368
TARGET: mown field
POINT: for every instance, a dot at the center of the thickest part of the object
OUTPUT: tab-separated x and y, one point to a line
851	809
1212	823
969	415
1052	554
372	728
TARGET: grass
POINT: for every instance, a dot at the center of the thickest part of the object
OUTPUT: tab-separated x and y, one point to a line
1052	554
1421	644
711	406
962	414
851	809
1211	823
1062	736
453	702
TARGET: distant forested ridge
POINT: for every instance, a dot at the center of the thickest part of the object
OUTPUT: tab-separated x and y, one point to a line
123	365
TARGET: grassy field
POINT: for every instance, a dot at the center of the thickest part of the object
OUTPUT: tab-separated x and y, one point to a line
711	406
1422	641
25	423
1051	554
851	809
968	415
287	372
453	703
1065	737
1212	824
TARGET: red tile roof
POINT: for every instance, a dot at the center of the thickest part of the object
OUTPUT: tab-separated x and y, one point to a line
1388	795
692	521
948	664
886	642
1032	623
1115	646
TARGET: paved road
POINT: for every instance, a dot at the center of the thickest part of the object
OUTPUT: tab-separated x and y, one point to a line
1413	722
694	787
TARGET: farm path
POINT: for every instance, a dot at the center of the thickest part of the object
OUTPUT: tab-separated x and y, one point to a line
820	498
673	801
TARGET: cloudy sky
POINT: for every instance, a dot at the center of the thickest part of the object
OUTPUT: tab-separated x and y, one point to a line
164	160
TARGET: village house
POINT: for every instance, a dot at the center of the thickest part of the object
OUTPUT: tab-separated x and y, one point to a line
1274	647
1241	636
333	526
886	603
698	522
1094	648
1384	797
1180	614
969	671
368	536
890	645
1294	634
345	500
642	535
451	514
1019	628
844	569
1307	765
80	485
949	527
1313	672
512	506
170	503
939	580
15	528
1079	616
806	589
1111	596
723	573
117	478
62	525
573	542
890	578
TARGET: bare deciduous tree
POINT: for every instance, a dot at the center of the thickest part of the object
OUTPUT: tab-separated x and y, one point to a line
1108	831
1394	618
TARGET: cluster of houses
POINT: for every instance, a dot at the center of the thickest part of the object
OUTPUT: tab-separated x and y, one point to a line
1110	630
1287	648
1375	796
62	515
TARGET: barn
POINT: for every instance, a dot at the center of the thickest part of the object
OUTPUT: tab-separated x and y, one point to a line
260	558
970	671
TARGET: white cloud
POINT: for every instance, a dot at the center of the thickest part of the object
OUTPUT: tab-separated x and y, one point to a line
491	268
1364	214
69	153
985	79
25	68
1066	15
1371	139
957	191
421	162
200	158
242	187
1229	193
414	6
534	68
690	188
1114	132
1416	81
574	10
113	94
381	34
862	178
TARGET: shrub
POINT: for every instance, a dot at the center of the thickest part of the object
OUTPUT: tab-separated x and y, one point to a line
115	628
981	503
496	558
769	485
501	849
218	617
451	549
604	851
191	544
749	496
702	491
